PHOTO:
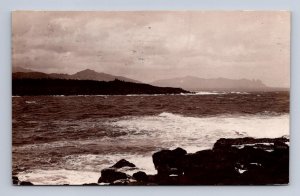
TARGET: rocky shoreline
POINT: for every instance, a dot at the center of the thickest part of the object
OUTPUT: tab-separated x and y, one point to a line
239	161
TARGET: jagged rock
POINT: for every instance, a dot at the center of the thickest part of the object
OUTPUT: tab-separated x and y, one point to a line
15	180
280	145
25	183
230	162
239	161
166	161
225	143
110	175
123	163
140	176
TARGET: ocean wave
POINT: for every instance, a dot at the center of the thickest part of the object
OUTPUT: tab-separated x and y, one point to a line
210	93
94	162
145	135
85	168
30	102
215	93
241	93
169	115
173	130
58	177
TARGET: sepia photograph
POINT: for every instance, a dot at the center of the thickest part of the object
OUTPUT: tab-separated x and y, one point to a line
150	98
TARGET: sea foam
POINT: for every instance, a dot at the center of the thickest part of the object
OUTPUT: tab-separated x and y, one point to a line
175	130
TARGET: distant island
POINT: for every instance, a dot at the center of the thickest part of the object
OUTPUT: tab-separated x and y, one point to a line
48	86
193	83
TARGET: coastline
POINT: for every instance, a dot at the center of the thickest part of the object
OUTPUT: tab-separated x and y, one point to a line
238	161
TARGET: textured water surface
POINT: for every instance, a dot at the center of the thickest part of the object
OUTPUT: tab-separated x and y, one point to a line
69	139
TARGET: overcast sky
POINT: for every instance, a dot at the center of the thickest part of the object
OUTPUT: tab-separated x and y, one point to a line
148	46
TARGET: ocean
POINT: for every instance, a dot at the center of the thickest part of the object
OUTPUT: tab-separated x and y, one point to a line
70	139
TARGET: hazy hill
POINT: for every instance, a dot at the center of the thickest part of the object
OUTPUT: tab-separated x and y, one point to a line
89	74
86	74
30	75
20	69
196	84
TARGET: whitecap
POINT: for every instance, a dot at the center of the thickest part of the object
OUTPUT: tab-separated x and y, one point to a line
30	102
174	130
59	177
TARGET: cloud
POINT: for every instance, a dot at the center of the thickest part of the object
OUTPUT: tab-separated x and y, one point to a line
155	45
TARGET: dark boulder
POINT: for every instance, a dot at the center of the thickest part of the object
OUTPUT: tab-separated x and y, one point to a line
123	163
25	183
15	180
140	176
110	175
166	162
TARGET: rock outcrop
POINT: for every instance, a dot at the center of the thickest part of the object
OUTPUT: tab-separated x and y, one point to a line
240	161
167	162
243	161
123	163
140	176
111	175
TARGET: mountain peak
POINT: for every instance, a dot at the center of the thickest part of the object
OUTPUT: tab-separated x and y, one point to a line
86	71
86	74
20	69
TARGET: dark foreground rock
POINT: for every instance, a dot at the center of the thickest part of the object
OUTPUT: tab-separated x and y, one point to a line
240	161
111	175
167	162
140	176
16	181
243	161
123	163
25	183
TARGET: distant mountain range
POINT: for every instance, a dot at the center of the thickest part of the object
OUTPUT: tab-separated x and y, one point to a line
189	83
199	84
86	82
87	74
